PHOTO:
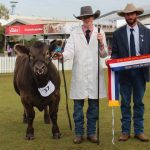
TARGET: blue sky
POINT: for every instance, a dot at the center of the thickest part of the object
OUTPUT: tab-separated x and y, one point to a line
66	8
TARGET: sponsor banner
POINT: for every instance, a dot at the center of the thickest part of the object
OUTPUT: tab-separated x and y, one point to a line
54	28
24	29
60	28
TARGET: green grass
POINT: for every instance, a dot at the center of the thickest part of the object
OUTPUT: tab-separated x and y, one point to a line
12	130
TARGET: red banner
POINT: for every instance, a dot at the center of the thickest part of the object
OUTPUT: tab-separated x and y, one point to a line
24	29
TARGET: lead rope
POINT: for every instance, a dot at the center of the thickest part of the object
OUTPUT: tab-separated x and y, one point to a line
66	93
63	73
67	108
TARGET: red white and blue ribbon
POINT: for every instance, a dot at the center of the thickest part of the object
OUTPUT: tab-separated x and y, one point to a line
116	65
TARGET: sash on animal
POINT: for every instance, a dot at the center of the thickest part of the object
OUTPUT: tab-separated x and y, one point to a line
116	65
47	90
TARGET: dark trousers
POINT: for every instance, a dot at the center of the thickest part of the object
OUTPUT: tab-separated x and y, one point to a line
132	84
91	114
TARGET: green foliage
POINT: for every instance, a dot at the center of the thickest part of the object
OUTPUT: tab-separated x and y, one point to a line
28	43
2	38
4	12
32	41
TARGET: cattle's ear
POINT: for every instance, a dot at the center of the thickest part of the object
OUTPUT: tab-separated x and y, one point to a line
21	49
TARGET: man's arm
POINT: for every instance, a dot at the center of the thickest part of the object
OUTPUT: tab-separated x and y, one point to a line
115	49
68	50
103	45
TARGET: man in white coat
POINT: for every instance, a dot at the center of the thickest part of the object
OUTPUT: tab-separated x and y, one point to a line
82	47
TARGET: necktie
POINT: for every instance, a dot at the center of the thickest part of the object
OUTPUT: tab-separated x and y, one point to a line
132	43
87	35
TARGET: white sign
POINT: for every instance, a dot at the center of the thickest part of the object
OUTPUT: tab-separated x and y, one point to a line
47	90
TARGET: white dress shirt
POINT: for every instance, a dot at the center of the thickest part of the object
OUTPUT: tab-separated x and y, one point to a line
136	38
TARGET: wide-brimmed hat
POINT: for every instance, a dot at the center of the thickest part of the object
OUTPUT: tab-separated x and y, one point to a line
87	11
129	9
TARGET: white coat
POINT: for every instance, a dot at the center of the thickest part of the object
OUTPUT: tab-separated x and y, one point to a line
84	82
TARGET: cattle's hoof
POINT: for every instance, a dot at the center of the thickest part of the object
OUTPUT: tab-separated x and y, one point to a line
29	137
57	136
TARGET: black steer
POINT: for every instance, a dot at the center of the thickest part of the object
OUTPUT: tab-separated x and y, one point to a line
37	81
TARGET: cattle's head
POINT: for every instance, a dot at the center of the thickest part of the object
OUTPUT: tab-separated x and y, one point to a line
55	45
38	55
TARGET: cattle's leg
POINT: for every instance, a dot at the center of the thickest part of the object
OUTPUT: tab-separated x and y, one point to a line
46	115
55	128
24	117
30	117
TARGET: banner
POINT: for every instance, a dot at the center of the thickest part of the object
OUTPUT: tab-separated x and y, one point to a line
116	65
24	29
60	28
54	28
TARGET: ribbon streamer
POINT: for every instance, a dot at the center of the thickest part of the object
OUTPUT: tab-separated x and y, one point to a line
116	65
113	126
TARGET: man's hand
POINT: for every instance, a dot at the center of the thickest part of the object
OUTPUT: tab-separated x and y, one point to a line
57	55
106	61
100	38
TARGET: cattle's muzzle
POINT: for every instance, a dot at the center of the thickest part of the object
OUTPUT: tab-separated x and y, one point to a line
40	68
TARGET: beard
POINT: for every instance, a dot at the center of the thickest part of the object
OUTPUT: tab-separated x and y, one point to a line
131	22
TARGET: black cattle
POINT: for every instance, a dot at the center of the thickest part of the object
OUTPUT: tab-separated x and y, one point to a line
37	81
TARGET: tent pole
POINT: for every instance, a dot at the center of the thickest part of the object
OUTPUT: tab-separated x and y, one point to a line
23	40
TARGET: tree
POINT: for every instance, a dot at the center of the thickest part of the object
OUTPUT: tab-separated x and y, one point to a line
2	38
4	12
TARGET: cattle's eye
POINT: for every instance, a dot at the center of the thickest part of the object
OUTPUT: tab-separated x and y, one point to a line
47	54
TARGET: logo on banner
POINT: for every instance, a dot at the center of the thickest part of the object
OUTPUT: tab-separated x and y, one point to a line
14	30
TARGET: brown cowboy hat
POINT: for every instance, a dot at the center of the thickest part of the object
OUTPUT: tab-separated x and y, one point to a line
129	9
87	11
